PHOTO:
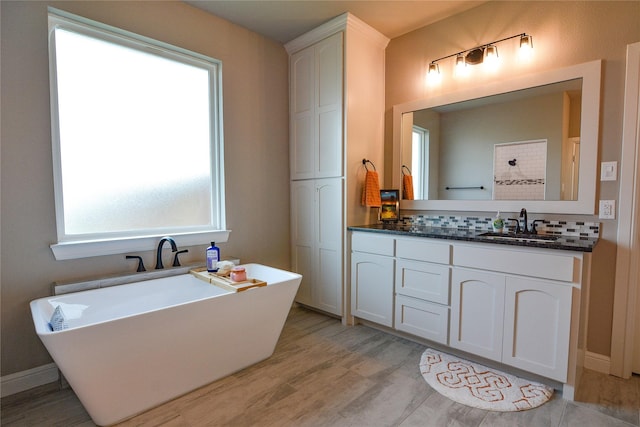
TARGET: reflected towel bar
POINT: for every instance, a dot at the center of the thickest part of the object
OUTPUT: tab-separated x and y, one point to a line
465	188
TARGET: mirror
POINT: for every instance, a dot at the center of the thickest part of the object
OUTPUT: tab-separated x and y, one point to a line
511	146
530	142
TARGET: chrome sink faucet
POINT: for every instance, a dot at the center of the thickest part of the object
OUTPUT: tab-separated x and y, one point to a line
174	248
523	213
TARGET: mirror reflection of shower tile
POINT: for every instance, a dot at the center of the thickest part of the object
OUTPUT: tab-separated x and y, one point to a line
520	170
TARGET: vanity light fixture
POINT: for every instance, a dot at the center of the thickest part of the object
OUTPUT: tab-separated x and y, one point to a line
484	53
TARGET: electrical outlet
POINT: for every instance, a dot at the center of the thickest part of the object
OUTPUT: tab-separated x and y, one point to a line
607	209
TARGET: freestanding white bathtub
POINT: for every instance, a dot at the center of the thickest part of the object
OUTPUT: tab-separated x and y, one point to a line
129	348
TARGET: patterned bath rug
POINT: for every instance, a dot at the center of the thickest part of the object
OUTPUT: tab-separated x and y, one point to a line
475	385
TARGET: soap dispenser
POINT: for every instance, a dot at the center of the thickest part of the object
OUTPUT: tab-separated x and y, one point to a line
213	256
498	223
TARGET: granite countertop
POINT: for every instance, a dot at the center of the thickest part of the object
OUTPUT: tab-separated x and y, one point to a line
561	242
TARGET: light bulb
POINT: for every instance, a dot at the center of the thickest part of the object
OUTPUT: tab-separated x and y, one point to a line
491	57
433	75
461	66
491	53
526	46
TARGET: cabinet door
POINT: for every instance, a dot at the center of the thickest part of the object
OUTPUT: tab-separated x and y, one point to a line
537	326
302	121
477	307
303	195
329	72
372	287
327	289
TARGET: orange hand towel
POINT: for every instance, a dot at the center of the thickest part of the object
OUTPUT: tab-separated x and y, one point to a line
371	190
407	187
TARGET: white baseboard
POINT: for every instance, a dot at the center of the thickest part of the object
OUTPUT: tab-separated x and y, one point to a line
597	362
25	380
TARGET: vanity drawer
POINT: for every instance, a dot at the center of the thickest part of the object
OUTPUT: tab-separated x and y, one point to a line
423	250
373	243
551	265
421	318
423	280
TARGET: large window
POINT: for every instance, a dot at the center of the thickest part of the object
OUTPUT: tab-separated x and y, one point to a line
137	139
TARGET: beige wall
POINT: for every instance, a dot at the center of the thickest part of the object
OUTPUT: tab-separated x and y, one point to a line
255	92
564	33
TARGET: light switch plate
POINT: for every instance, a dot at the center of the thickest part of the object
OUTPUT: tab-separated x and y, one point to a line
607	209
608	171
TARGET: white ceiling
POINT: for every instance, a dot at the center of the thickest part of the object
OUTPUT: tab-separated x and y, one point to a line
284	20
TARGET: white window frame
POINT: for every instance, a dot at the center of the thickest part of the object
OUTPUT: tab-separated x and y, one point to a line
420	163
88	246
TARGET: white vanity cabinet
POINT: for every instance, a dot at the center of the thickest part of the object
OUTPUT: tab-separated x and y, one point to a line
518	320
372	270
520	306
336	118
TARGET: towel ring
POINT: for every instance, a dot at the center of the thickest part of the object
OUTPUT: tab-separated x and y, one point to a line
365	161
407	168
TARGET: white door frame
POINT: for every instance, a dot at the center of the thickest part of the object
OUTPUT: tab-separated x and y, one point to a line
627	271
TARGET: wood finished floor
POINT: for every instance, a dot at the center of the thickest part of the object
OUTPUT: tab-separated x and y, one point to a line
326	374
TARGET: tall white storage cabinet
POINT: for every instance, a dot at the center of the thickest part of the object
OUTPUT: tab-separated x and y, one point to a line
336	107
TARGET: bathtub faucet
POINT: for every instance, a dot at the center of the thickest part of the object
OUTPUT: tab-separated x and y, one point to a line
174	248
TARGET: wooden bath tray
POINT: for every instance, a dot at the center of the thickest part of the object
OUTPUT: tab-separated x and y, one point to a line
225	282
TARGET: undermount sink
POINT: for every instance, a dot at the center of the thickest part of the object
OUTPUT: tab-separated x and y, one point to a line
520	237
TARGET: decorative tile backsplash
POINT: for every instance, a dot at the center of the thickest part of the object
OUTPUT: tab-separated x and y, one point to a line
564	228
